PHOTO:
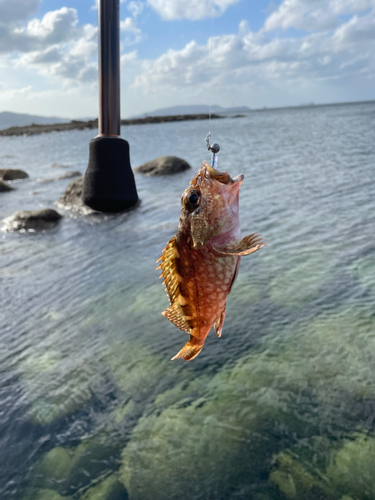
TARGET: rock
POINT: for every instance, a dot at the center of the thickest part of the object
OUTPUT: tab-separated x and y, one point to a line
53	470
352	467
10	174
164	165
108	489
44	494
291	477
38	374
68	470
32	220
71	199
195	441
4	187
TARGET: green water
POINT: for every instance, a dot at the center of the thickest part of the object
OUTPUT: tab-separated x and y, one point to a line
282	406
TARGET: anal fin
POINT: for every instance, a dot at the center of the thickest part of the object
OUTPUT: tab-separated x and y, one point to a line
175	314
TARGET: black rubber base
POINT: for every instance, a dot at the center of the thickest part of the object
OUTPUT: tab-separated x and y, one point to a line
109	184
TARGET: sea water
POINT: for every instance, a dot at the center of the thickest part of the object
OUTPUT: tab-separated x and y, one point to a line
282	406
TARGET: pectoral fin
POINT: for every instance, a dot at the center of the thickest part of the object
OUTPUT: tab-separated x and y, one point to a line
248	244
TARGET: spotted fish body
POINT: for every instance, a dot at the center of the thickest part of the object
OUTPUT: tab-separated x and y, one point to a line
200	264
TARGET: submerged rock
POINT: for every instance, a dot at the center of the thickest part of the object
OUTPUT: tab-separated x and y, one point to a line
212	436
32	220
53	389
352	468
4	187
54	469
12	174
71	199
164	165
109	489
69	470
200	439
291	477
44	494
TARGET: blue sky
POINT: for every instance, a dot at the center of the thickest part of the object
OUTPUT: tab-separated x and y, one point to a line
264	53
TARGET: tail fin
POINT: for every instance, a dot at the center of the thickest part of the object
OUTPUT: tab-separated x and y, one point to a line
190	350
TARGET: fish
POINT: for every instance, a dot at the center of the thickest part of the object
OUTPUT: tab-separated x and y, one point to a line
200	264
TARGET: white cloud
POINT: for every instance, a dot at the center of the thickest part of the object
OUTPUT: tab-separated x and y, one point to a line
190	9
313	15
128	58
54	27
357	30
131	34
247	59
73	60
136	8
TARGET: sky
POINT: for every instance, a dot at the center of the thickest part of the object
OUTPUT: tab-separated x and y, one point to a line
179	52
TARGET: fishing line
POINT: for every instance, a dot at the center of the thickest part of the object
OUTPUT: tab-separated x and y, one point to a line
210	82
214	148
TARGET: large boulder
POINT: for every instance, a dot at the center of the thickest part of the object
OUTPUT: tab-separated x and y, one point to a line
12	174
32	220
71	199
4	187
164	165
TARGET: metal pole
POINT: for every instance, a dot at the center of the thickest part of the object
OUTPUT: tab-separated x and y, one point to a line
109	184
109	67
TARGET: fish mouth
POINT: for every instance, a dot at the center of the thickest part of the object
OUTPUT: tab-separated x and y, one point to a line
223	177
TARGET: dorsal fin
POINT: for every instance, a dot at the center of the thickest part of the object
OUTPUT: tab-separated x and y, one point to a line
169	259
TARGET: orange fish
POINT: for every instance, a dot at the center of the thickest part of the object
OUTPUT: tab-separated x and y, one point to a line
200	264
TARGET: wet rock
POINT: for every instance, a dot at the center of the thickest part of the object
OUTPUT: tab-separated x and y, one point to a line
136	370
38	374
199	439
10	174
215	429
108	489
44	494
32	220
291	477
53	470
164	165
68	470
4	187
71	199
352	467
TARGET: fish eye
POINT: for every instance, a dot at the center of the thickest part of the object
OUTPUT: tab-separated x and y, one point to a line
193	199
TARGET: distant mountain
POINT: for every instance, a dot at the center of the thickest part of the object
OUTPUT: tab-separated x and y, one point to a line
193	110
8	119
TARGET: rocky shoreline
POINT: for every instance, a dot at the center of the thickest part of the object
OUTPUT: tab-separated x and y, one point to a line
92	124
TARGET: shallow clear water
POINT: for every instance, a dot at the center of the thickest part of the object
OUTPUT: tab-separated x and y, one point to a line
282	406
